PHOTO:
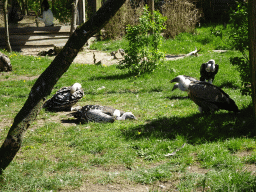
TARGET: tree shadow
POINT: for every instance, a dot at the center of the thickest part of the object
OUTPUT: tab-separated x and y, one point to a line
178	97
70	121
197	128
111	77
228	84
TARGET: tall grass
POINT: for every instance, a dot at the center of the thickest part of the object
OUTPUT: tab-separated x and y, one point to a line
182	16
59	154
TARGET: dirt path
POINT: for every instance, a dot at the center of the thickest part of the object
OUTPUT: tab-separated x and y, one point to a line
87	56
83	57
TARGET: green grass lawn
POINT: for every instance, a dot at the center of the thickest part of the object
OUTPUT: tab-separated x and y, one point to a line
219	152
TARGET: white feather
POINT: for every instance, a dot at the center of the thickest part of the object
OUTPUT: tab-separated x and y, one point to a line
117	113
183	83
75	87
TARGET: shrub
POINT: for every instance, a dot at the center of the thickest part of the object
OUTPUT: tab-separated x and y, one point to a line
63	10
240	40
145	40
181	15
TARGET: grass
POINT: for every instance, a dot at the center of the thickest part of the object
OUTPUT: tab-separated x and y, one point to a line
206	38
55	156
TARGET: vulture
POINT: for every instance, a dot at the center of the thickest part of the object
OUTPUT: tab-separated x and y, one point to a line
65	98
208	71
207	96
176	85
5	63
121	51
101	114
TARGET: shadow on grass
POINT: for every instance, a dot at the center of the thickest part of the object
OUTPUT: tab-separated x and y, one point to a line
198	128
228	84
70	121
178	97
111	77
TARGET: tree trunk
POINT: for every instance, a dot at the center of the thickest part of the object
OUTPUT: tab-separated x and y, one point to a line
24	7
7	36
53	5
74	16
93	6
44	84
252	51
151	6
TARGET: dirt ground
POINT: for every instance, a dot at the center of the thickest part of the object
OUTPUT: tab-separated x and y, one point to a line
83	57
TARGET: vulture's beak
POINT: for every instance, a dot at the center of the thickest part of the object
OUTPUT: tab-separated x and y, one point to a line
176	79
176	85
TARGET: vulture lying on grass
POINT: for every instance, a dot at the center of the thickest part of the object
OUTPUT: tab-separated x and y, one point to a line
101	114
65	98
208	71
5	63
208	97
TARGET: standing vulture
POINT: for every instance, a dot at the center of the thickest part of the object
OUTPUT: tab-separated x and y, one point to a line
65	98
101	114
208	97
208	71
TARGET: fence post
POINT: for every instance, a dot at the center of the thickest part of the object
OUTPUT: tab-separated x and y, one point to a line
81	12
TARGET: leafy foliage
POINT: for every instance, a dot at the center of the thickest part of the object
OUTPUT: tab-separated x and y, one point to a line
145	40
239	35
239	24
245	74
34	5
63	10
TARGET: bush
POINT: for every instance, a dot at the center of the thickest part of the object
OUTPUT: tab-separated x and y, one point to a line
240	41
239	25
63	10
145	40
181	15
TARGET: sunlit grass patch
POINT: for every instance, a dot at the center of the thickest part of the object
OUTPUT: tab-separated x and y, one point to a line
59	155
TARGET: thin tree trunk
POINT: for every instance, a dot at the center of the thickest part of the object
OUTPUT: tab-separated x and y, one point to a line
74	16
151	6
44	84
7	36
53	5
252	51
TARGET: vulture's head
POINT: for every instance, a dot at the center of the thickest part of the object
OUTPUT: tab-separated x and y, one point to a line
75	87
128	115
183	83
210	66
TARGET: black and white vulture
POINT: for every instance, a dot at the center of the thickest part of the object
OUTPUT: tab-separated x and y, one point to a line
65	98
5	63
176	85
208	71
101	114
208	97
